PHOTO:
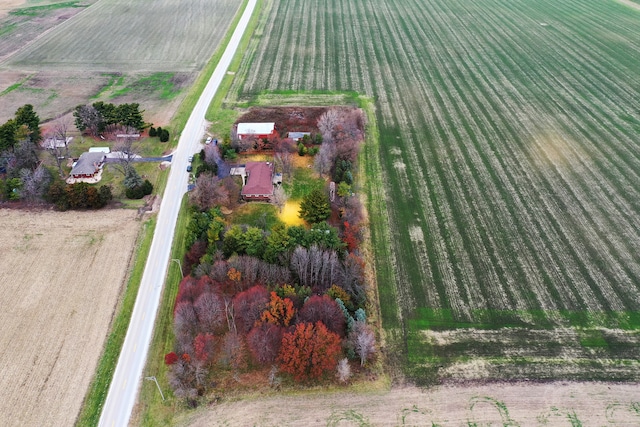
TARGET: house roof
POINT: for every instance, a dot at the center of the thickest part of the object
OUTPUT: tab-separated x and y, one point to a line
259	181
256	128
99	150
87	163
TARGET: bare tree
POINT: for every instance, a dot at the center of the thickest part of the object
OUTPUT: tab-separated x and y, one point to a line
317	268
327	123
209	192
279	197
343	370
210	310
34	183
60	131
323	161
57	151
363	341
127	148
284	162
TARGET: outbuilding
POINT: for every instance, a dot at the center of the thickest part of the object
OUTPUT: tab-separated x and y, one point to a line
256	130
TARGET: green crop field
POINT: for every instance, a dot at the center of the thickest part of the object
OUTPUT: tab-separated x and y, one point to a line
158	35
509	146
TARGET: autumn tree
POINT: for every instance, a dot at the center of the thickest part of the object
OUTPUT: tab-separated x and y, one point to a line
309	351
279	311
209	192
210	310
264	342
323	309
315	206
248	307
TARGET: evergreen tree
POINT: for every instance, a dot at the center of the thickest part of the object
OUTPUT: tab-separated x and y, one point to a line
315	207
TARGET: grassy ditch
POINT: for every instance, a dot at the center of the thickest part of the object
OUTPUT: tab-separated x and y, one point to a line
222	118
90	413
152	410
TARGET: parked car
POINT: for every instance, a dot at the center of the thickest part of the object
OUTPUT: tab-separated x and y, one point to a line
189	168
190	159
208	141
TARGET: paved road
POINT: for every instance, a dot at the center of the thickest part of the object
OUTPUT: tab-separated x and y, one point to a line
128	375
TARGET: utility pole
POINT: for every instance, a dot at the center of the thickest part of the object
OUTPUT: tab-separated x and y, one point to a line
158	385
179	265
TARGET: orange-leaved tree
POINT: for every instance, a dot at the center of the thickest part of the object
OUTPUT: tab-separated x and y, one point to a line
279	311
309	351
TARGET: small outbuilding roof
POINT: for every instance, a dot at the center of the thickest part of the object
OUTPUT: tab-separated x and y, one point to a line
87	164
256	128
298	135
99	150
259	179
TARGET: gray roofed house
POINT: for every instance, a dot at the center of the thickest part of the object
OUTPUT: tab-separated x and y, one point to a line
88	165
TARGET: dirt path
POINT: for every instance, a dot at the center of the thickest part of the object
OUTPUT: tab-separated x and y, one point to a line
61	275
552	404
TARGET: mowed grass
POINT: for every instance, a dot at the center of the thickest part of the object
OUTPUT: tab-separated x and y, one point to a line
508	152
163	35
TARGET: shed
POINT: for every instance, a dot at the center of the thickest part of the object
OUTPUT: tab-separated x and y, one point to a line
256	130
296	136
105	150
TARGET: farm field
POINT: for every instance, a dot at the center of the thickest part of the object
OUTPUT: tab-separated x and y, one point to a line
509	151
56	58
62	275
553	404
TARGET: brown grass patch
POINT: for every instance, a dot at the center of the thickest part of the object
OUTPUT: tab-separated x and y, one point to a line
61	276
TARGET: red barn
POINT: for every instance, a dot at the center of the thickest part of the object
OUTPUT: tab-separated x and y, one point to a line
256	130
259	181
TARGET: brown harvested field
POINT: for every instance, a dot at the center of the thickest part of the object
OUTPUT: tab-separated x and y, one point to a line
62	275
550	404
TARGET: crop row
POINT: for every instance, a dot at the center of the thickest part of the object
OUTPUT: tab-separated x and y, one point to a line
509	146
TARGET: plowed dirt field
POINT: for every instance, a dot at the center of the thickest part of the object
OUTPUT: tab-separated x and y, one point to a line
61	277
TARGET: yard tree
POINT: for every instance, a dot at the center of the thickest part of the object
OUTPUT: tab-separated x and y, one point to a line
315	207
279	197
8	135
88	118
25	115
309	351
35	183
209	192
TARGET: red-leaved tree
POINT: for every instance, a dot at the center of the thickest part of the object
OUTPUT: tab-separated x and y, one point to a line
323	309
211	312
264	342
309	351
248	307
